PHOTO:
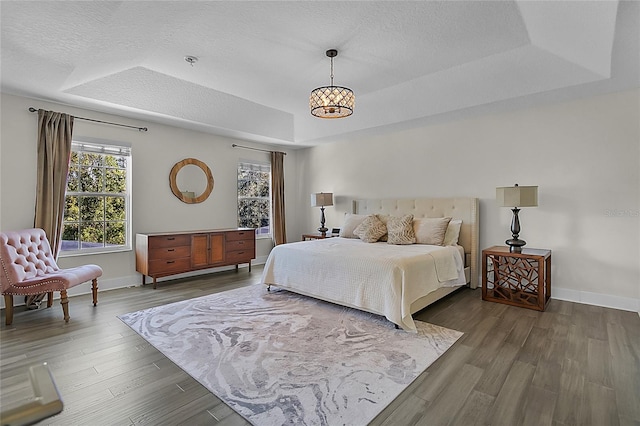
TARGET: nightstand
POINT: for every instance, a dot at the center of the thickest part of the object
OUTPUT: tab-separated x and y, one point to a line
518	279
317	236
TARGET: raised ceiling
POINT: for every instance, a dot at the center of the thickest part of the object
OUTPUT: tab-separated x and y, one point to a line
407	62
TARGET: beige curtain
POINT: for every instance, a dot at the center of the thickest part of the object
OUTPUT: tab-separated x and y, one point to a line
54	149
277	197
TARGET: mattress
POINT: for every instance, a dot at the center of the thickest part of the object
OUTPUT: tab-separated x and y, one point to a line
375	277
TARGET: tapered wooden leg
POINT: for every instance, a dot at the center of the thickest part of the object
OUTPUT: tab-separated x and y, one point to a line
64	301
8	309
94	289
49	299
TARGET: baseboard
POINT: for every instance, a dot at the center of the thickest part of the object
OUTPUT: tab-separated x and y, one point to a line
135	280
578	296
597	299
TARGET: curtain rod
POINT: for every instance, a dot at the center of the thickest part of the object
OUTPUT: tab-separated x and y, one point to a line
255	149
141	129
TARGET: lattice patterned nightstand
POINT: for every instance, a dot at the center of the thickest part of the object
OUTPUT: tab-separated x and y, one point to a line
518	279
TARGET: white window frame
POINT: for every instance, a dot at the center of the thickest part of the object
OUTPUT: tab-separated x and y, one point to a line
97	146
262	166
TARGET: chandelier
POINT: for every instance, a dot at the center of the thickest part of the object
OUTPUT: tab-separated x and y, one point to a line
332	101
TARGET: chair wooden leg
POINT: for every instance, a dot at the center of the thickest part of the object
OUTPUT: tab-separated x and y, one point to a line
94	288
8	309
64	301
49	299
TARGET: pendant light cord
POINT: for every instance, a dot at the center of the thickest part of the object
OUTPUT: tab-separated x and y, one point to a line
331	70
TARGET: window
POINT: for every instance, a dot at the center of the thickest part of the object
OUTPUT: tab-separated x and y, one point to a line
254	197
97	201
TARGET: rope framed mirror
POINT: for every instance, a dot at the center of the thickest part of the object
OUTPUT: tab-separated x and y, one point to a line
184	194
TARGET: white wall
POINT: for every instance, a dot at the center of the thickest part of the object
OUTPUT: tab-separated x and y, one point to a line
583	155
154	207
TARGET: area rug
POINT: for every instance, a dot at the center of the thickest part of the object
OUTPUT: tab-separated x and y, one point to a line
279	358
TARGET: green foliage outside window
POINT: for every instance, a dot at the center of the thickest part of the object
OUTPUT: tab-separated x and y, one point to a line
95	214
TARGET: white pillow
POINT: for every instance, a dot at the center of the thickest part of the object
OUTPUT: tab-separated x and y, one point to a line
430	230
453	233
351	222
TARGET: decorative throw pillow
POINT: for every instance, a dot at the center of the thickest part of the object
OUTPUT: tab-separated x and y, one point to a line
370	229
400	230
384	218
431	230
453	233
351	221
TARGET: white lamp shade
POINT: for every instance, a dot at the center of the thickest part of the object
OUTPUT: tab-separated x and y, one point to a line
322	199
517	196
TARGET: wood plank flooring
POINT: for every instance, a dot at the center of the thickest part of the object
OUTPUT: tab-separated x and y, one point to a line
570	365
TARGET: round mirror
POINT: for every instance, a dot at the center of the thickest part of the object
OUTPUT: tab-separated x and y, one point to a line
191	181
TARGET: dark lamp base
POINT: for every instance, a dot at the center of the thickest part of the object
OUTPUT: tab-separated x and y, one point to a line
323	229
515	245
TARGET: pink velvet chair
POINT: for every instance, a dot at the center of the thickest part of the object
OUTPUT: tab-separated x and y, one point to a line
28	268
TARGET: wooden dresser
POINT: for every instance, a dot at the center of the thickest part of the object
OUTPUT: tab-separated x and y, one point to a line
168	253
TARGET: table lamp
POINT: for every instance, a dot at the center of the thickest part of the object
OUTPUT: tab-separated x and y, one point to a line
321	200
516	196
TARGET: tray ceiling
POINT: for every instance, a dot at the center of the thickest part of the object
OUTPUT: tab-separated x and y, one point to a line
408	62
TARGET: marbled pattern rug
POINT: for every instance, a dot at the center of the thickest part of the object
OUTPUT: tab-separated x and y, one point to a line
279	358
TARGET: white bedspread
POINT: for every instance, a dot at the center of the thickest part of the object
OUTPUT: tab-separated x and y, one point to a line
376	277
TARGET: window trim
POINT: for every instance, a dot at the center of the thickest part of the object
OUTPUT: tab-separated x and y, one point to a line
106	147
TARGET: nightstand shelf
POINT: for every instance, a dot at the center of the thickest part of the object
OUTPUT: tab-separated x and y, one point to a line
316	236
518	279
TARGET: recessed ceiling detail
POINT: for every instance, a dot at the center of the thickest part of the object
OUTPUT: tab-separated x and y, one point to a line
409	62
147	90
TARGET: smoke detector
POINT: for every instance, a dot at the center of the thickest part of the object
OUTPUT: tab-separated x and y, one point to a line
191	60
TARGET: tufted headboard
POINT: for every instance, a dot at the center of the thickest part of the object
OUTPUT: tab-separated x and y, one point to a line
456	208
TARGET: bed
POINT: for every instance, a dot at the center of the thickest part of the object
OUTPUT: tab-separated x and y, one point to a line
394	281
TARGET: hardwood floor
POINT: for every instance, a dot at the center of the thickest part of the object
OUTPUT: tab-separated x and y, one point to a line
570	365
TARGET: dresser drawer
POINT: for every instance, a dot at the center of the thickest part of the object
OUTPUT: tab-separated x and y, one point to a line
168	253
240	245
240	235
166	266
161	241
239	256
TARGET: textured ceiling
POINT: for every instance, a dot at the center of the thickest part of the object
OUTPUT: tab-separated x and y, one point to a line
407	61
